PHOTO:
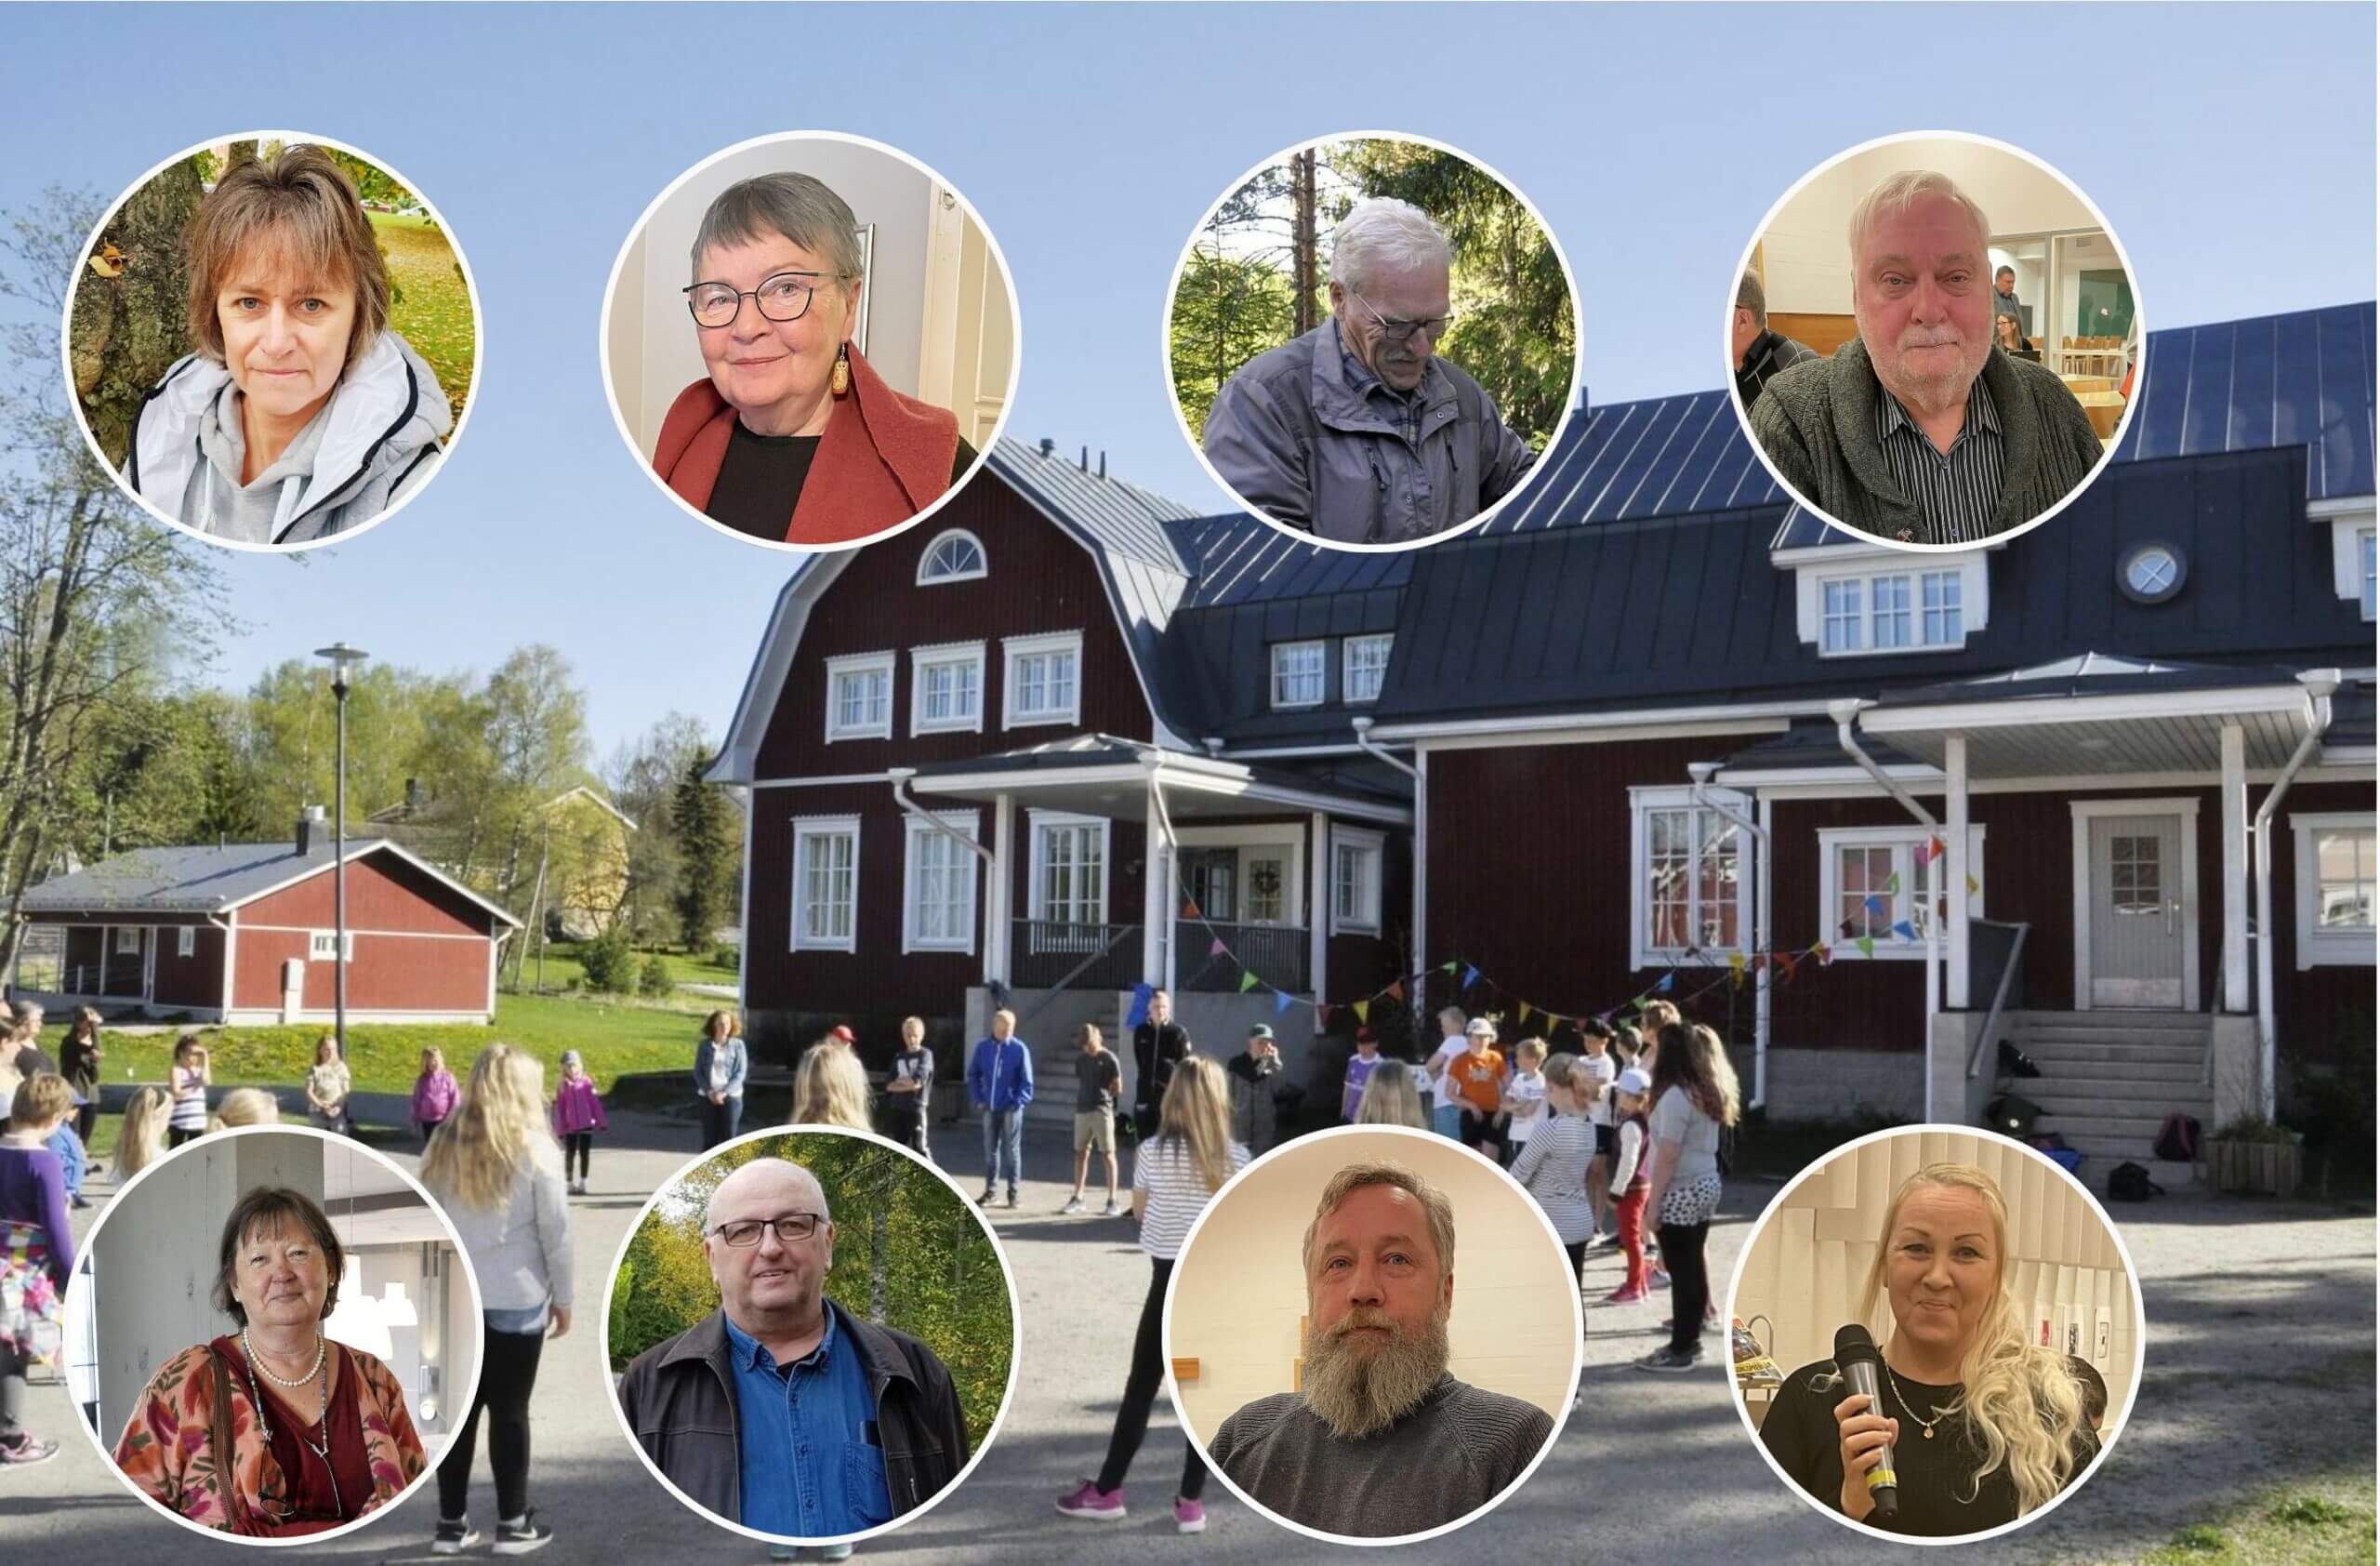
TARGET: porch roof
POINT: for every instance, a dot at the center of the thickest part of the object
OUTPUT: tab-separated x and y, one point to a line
1102	774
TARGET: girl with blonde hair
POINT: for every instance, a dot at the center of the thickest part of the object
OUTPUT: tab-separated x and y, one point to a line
1695	1099
1986	1426
830	1087
1174	1175
1390	1099
495	1167
246	1106
141	1140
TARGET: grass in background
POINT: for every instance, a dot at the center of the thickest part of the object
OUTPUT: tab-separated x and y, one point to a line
2325	1522
436	313
564	971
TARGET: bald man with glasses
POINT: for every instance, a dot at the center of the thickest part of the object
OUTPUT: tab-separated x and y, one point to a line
1357	432
780	1410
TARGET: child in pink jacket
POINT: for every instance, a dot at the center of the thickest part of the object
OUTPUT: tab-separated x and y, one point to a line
578	1115
434	1094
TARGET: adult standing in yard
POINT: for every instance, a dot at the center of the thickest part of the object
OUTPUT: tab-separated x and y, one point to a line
1099	1076
1000	1084
495	1169
1250	1075
79	1057
721	1062
1157	1044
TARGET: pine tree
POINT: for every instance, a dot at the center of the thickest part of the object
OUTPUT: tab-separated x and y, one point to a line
705	855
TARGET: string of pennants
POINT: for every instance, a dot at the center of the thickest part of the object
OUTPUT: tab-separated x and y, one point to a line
1738	968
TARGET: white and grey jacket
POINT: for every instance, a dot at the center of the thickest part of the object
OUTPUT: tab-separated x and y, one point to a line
374	442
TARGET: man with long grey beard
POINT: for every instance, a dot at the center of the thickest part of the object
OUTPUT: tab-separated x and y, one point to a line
1381	1442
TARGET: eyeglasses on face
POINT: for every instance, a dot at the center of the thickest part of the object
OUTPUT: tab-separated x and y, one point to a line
1398	329
783	295
744	1233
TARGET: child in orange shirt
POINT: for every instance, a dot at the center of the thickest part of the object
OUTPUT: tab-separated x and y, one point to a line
1479	1082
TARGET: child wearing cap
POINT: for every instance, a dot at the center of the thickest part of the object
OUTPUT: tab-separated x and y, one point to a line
577	1116
1630	1179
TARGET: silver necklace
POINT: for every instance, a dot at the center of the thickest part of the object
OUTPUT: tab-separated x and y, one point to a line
322	1448
1940	1412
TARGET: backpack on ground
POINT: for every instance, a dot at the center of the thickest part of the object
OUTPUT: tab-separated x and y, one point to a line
2012	1115
2130	1182
2177	1139
2015	1062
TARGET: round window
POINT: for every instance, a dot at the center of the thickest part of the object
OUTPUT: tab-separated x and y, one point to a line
2151	572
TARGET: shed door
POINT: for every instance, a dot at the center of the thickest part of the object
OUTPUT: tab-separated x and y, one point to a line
2137	918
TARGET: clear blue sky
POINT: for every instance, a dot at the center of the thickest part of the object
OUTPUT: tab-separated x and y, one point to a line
2231	148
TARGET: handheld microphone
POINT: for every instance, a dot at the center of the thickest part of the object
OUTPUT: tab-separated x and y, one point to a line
1857	1358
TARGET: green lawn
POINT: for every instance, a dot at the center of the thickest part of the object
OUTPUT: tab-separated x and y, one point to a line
435	314
564	971
2323	1521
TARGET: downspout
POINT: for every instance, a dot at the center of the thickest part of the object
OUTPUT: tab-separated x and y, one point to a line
910	807
1846	713
2319	683
994	939
1173	867
1702	772
1372	748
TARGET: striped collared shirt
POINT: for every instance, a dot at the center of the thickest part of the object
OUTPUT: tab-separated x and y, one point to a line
1958	490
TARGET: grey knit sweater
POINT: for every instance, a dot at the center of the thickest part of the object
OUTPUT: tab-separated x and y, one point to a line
1817	421
1458	1450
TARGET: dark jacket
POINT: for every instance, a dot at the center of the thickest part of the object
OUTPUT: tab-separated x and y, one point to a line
1818	423
1770	355
679	1397
1300	441
1154	1050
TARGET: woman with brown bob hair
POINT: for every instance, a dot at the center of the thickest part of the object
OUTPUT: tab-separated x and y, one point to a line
300	415
272	1431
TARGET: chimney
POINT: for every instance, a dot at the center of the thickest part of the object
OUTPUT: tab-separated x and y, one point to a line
313	827
1085	463
1102	464
1048	446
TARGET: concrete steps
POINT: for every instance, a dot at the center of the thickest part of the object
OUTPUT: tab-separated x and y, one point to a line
2109	1079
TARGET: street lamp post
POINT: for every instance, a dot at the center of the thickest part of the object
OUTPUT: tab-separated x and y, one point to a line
342	659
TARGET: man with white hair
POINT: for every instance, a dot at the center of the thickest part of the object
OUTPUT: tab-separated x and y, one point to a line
1357	432
781	1410
1920	429
1380	1441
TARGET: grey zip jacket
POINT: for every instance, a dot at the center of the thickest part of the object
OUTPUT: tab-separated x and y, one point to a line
1817	421
1312	445
374	444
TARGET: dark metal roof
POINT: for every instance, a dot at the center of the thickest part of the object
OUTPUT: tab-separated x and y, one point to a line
1125	518
203	879
1668	457
2303	379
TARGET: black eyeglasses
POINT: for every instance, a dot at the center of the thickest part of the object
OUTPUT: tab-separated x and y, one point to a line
782	297
744	1233
1398	329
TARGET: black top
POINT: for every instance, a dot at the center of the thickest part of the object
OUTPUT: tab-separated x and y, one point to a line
1939	1496
761	480
1154	1050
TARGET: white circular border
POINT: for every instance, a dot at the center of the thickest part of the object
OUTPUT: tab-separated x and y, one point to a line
2139	1342
1015	1356
291	139
1538	468
468	1395
2123	422
644	464
1577	1335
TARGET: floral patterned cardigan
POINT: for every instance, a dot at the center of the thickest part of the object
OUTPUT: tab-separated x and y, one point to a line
167	1445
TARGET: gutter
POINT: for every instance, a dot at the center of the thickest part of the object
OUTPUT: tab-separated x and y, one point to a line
1846	713
1164	823
2319	683
1413	770
910	807
1763	865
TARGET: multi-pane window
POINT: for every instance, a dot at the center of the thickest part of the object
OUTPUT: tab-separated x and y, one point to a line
2136	876
1888	598
1070	872
955	556
1864	891
1692	873
1842	616
825	884
939	907
1299	671
1872	886
1365	667
1043	679
1939	592
1881	614
186	941
2343	879
2335	863
859	696
947	692
322	946
1355	880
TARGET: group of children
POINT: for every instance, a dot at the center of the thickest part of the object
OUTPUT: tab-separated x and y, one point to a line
577	1112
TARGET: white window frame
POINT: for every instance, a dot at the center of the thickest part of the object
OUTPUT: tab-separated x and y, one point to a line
127	940
2352	522
1040	822
2318	948
1813	569
948	655
936	578
1320	648
1386	642
912	909
1879	598
859	663
1642	802
321	943
1839	600
1903	841
1370	850
186	940
808	830
2367	549
1013	651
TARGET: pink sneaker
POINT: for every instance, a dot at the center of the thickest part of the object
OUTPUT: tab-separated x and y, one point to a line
1094	1505
1626	1294
1189	1516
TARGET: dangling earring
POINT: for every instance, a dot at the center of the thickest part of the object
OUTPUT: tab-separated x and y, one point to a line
841	383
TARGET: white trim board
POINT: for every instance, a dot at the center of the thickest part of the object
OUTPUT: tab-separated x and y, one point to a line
2315	948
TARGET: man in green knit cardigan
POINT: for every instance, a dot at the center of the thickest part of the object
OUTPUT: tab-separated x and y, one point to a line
1920	429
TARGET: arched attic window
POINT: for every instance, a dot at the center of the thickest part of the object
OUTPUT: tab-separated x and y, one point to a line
955	556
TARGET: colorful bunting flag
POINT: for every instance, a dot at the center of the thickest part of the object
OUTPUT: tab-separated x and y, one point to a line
1736	967
1892	883
1867	945
1450	965
1905	931
1823	952
1668	981
1470	978
1217	949
1974	886
1524	1018
1280	1001
1322	1016
1190	910
1363	1011
1923	854
1396	989
1247	980
1937	845
1877	906
1140	1011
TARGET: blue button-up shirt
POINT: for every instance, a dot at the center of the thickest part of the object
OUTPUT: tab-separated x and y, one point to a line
812	1460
